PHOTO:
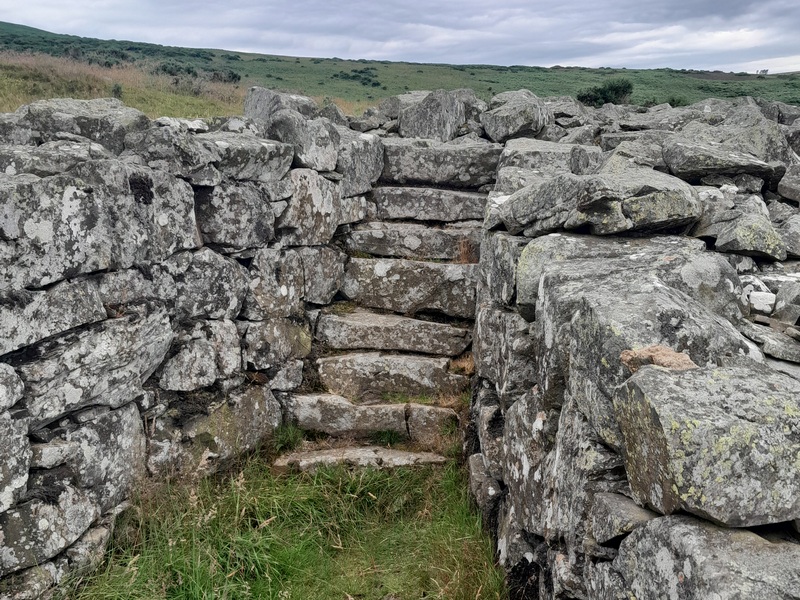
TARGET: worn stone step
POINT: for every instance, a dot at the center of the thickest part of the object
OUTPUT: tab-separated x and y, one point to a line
370	456
409	287
366	330
459	243
427	204
371	376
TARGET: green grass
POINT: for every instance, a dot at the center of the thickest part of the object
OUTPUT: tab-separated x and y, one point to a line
406	534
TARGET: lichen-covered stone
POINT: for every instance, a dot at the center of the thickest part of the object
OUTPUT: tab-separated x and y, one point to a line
522	113
720	443
315	141
615	515
438	116
428	424
338	416
209	285
360	161
417	241
269	344
11	387
208	351
247	158
234	216
260	104
323	272
499	255
366	330
277	285
409	286
314	210
16	452
428	204
50	158
789	185
370	456
692	161
545	159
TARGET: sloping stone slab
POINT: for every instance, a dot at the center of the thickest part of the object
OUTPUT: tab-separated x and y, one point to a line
338	416
372	331
693	160
369	376
438	116
432	163
428	204
682	557
416	241
371	456
545	158
719	443
523	113
50	158
409	287
615	515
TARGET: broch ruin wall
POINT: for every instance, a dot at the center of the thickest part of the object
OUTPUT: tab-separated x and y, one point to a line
625	278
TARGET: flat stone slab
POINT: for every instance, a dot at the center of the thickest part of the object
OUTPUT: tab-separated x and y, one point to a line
721	443
335	415
409	287
366	330
369	376
371	456
428	204
692	161
416	241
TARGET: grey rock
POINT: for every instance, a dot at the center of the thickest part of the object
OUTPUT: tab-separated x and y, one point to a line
416	241
289	377
248	158
499	255
323	272
118	289
551	133
485	490
101	215
50	158
409	161
210	286
789	185
366	330
428	204
689	558
438	116
409	286
360	161
787	303
375	457
260	104
333	113
105	120
207	352
511	179
428	424
11	387
277	285
16	132
692	161
517	114
744	233
392	105
543	157
338	416
369	376
102	364
52	454
234	216
271	343
27	317
314	210
717	442
16	462
632	155
610	140
615	515
762	302
315	141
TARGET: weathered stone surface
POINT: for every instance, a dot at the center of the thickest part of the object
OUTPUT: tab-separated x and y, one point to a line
688	558
52	454
276	286
360	161
260	104
269	344
27	317
632	155
16	132
314	210
640	200
234	216
614	515
392	105
412	240
315	141
485	489
100	215
362	329
789	186
427	204
546	159
323	272
103	364
209	285
719	443
369	376
50	158
134	286
522	113
409	286
11	387
692	161
749	234
499	255
248	158
789	231
338	416
503	351
36	531
371	456
208	351
427	424
762	302
438	116
16	452
289	377
105	120
433	163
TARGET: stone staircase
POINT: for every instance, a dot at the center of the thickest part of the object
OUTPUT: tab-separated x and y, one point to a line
395	362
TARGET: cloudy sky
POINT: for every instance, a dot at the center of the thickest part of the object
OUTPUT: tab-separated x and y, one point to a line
730	35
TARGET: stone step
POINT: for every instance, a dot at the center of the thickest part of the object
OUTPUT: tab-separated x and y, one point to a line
409	287
338	417
371	376
459	243
428	204
370	456
366	330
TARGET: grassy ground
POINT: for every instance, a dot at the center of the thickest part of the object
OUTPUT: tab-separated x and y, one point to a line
338	534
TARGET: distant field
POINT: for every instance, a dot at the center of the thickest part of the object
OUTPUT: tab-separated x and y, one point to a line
214	81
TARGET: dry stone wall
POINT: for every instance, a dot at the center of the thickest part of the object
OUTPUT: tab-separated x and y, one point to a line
173	290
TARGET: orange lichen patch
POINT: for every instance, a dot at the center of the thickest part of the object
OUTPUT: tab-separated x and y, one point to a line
660	356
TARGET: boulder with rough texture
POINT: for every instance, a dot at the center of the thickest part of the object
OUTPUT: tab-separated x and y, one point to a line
789	186
371	456
409	287
615	515
682	557
50	158
409	161
500	253
17	454
502	350
269	344
277	285
234	216
101	215
206	352
393	105
360	161
11	386
314	210
515	113
720	443
543	158
248	158
366	330
428	204
209	285
104	120
27	317
315	141
742	233
416	241
438	116
323	272
369	376
338	416
693	160
260	104
428	424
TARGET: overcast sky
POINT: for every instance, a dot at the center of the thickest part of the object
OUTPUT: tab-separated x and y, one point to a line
730	35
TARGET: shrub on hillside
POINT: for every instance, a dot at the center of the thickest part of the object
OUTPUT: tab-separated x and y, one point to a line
615	91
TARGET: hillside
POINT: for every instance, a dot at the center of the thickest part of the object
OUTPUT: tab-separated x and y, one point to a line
355	84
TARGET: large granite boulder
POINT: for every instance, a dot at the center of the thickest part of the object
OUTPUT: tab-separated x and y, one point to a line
438	116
